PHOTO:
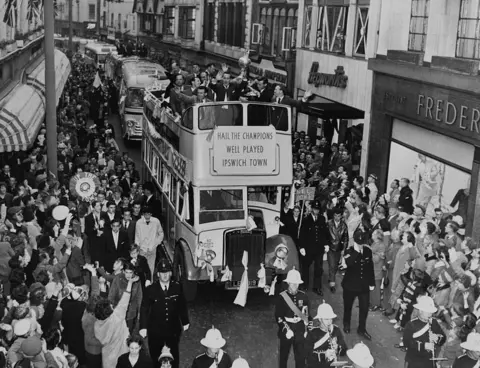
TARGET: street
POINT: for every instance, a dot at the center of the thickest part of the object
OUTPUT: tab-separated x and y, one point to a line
251	332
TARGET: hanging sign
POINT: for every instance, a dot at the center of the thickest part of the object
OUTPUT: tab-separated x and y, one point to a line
84	185
244	151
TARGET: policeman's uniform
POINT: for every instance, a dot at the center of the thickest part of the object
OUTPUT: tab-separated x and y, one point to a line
163	315
464	361
319	341
287	320
415	336
358	279
314	236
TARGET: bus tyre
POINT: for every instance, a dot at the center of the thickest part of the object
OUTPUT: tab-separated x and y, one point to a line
189	287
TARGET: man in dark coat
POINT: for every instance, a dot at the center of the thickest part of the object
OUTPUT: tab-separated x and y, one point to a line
313	240
164	314
405	201
358	281
116	245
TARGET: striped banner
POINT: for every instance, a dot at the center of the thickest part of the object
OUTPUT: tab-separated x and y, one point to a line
10	17
33	9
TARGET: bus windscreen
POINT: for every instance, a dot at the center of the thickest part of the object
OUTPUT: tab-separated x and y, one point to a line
221	205
219	115
134	97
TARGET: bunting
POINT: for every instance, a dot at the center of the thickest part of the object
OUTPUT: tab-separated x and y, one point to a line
55	8
33	9
10	17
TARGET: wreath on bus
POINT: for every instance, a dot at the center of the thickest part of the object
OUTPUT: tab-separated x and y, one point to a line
84	185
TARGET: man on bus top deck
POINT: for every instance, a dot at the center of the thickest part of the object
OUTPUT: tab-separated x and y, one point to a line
206	114
280	118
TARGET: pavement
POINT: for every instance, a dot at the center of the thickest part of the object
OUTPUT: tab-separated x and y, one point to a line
251	332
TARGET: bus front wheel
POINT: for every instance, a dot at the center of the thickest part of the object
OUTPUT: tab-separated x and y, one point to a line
189	287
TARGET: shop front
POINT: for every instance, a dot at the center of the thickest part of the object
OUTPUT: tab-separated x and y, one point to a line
429	133
339	109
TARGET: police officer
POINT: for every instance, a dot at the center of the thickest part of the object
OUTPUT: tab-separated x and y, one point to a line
358	281
313	240
423	336
292	316
325	343
360	356
164	314
471	358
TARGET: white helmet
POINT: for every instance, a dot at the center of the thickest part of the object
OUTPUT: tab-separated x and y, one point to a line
240	363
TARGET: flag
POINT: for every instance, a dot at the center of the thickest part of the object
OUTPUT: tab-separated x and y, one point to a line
10	17
97	82
33	9
55	8
241	298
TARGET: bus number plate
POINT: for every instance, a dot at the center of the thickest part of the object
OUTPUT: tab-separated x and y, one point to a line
236	284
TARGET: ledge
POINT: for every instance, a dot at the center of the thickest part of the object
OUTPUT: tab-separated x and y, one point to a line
18	50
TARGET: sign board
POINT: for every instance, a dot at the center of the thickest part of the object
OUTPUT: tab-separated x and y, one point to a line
244	150
339	79
111	33
305	194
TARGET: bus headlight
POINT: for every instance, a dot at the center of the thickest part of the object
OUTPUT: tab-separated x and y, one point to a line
210	256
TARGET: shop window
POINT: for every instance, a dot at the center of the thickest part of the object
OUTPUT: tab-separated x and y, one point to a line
169	21
91	11
468	35
186	26
361	30
332	24
307	26
418	25
210	22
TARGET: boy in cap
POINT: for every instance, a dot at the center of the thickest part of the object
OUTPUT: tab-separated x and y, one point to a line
423	336
292	316
325	343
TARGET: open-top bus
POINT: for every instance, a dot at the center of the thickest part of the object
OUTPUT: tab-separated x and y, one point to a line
219	170
96	53
137	74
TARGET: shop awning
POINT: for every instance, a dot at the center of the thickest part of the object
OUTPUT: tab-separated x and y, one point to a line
20	118
62	70
328	109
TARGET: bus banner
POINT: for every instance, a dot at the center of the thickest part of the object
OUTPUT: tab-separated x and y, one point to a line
244	151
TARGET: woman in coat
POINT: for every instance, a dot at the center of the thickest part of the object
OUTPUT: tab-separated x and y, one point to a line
378	257
135	358
111	328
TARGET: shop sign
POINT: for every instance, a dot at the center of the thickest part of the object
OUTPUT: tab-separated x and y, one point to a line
269	74
238	151
339	79
438	107
111	33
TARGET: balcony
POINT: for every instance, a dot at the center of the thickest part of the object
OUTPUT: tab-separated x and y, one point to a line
9	48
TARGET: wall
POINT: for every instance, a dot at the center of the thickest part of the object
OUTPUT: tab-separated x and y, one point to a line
125	9
22	26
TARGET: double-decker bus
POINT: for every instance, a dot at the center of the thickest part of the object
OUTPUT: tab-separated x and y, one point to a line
137	74
220	172
96	53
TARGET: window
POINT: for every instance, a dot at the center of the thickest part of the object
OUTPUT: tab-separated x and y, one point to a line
332	23
468	36
279	30
173	192
91	11
361	30
210	22
148	22
125	24
104	18
111	20
231	24
307	26
169	22
134	26
134	97
221	205
119	21
186	26
263	194
418	25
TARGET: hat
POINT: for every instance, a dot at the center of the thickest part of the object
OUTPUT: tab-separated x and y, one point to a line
316	204
14	210
28	214
360	355
22	327
281	246
213	339
32	346
472	343
373	176
164	266
325	311
60	213
426	304
166	354
240	363
293	277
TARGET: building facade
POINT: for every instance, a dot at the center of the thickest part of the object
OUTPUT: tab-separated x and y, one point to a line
426	104
85	14
119	20
335	40
22	78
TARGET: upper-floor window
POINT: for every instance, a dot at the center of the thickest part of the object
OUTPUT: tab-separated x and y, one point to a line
210	21
169	21
331	30
111	19
186	25
418	25
91	11
231	23
119	21
307	26
468	35
277	30
361	28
